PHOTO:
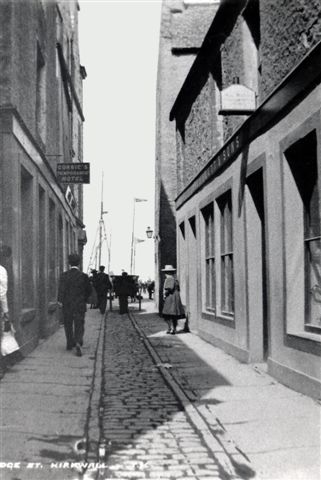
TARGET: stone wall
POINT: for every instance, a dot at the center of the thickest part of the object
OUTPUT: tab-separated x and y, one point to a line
261	50
289	29
35	218
182	32
201	140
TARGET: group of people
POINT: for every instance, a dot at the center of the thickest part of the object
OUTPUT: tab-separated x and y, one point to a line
148	286
101	285
76	289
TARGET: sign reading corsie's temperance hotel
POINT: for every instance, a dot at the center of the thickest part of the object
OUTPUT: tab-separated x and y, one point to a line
73	172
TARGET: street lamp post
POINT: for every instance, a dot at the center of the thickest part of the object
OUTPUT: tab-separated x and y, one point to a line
133	246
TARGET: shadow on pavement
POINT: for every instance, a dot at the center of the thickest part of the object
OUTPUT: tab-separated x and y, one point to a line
144	422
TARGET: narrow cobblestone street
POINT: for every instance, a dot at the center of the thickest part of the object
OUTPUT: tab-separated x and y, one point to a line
149	435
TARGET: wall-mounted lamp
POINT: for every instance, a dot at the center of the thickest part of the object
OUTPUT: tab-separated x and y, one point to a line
149	233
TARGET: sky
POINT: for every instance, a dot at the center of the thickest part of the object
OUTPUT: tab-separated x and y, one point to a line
119	42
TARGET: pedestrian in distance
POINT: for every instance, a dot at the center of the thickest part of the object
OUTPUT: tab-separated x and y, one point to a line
102	285
124	290
151	288
93	300
173	308
74	290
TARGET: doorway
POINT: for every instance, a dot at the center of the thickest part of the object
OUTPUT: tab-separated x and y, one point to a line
258	327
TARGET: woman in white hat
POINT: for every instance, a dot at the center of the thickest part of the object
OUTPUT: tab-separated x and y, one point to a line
173	308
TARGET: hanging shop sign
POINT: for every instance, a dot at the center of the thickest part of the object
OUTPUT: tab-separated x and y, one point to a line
73	172
237	100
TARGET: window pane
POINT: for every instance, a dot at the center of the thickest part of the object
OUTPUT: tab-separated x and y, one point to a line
213	303
212	236
211	284
223	284
208	214
231	285
313	282
222	230
229	225
312	217
208	279
27	239
226	234
52	251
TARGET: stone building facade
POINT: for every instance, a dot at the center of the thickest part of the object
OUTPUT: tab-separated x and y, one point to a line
248	205
183	27
40	126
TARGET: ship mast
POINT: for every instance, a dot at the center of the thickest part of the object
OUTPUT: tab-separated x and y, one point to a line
101	220
102	234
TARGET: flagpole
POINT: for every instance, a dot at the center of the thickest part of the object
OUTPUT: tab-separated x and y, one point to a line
101	221
136	240
109	252
134	259
101	218
133	246
133	241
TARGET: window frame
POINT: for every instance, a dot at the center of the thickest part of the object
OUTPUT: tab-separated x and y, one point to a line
227	290
295	336
209	257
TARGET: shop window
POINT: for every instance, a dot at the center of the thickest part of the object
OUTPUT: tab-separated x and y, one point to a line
27	239
226	253
302	160
60	246
210	283
42	253
52	250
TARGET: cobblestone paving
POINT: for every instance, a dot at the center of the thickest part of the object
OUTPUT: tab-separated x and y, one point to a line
149	434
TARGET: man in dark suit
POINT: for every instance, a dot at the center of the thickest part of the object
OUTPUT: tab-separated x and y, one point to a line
102	285
74	289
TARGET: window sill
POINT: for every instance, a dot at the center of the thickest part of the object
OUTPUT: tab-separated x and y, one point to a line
221	319
226	316
209	310
304	341
306	335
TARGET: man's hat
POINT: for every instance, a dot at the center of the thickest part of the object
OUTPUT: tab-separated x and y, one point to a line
74	259
169	268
